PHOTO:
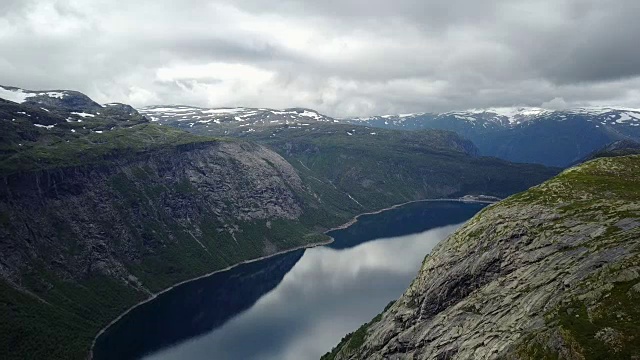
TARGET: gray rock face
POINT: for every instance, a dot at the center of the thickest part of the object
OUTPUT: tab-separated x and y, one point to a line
80	221
534	275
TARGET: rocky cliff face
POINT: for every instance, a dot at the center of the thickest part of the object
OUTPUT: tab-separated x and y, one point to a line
80	221
553	272
81	244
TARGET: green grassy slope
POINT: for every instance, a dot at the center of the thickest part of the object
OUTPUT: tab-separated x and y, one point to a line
94	220
379	167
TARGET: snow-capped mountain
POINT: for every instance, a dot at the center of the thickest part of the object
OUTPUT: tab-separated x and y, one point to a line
493	118
231	118
61	113
483	117
526	134
519	134
76	105
51	99
20	96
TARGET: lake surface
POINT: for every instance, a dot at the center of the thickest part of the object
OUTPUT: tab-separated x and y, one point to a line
293	306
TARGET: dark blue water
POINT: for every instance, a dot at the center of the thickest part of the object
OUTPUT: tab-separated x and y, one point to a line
292	306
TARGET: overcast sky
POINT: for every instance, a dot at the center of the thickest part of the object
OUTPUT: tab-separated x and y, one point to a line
341	57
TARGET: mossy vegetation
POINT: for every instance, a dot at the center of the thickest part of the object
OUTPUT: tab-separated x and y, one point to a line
605	191
59	318
605	331
530	349
604	178
608	331
587	218
72	149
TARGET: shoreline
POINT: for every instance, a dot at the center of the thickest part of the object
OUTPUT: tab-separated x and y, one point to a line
230	267
355	218
307	246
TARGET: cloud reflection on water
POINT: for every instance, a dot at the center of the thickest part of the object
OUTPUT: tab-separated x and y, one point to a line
327	294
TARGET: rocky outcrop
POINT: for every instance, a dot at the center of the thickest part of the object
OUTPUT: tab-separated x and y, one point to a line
550	273
83	220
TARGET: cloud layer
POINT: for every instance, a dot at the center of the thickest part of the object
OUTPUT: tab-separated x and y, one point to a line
341	57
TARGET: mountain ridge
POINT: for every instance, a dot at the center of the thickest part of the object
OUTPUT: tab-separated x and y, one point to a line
530	135
618	148
551	137
487	117
534	135
513	116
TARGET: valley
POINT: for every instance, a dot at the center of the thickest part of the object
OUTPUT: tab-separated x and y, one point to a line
332	180
291	306
101	208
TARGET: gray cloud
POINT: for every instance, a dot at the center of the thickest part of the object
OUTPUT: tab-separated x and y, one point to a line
604	49
347	57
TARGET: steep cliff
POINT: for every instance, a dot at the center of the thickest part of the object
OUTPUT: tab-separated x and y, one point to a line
550	273
91	240
100	209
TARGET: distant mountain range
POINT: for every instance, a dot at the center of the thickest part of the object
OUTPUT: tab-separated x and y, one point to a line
550	137
525	134
237	116
519	134
495	118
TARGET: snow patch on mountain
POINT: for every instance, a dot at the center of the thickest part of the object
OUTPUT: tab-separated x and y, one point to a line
240	116
17	95
20	96
627	117
505	117
602	110
83	114
511	113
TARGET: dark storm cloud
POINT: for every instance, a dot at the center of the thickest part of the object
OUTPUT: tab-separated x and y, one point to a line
350	57
604	48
